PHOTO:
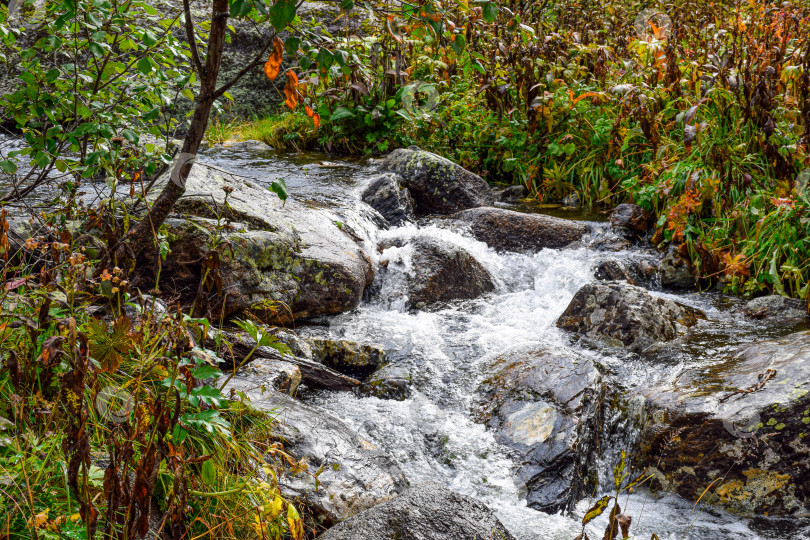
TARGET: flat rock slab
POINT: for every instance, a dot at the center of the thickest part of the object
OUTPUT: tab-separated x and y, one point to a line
425	512
355	475
437	185
741	426
507	230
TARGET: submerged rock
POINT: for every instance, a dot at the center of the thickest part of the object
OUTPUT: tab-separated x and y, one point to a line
425	512
777	309
438	185
387	196
546	406
630	218
281	262
355	476
741	426
623	315
507	230
440	272
391	381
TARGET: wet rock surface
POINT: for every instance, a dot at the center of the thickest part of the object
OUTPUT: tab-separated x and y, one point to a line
511	194
541	403
425	512
775	309
675	271
441	272
437	185
387	196
507	230
630	219
267	373
354	359
355	475
740	426
623	315
283	261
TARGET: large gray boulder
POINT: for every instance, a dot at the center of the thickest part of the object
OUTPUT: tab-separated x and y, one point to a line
624	315
425	512
545	405
281	262
354	475
437	185
507	230
740	426
438	271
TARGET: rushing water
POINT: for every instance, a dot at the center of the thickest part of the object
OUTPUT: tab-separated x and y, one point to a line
448	350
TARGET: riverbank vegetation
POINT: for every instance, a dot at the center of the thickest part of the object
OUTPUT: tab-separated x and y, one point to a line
697	111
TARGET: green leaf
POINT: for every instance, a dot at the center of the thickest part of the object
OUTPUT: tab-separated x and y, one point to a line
347	5
8	166
341	113
206	372
291	45
490	11
208	395
96	49
131	136
52	75
145	66
279	187
282	13
149	38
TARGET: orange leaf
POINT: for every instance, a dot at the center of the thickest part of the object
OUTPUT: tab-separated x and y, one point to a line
273	64
308	111
316	119
291	90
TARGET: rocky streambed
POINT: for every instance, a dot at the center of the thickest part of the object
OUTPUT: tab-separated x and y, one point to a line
460	369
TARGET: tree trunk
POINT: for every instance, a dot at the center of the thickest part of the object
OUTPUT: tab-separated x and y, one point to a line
145	233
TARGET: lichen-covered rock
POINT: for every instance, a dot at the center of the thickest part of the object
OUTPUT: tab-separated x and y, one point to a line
507	230
741	426
543	404
354	476
354	359
675	271
775	309
612	270
435	271
425	512
624	315
630	218
387	196
437	185
282	261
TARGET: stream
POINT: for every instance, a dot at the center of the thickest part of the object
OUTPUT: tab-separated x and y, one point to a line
447	351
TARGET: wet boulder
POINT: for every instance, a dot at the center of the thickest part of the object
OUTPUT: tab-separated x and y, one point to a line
612	270
545	405
267	373
354	359
623	315
425	512
775	309
630	218
355	476
387	196
675	270
437	185
435	271
507	230
391	381
739	426
512	194
279	261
